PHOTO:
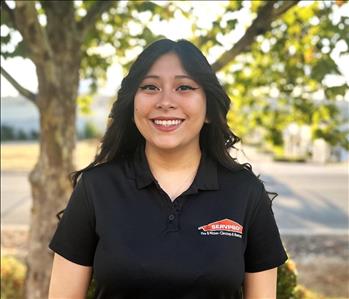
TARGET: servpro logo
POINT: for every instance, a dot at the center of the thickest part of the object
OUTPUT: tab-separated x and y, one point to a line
225	227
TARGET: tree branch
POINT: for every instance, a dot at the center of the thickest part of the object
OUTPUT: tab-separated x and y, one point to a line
32	32
286	5
23	91
92	14
9	12
261	24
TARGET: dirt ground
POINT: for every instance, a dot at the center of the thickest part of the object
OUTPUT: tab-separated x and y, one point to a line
322	261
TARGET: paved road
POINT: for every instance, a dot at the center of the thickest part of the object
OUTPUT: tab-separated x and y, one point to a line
15	198
313	199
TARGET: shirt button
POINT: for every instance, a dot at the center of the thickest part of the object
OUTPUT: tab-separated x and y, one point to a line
171	217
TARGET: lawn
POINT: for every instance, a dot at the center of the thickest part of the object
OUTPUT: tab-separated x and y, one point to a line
22	156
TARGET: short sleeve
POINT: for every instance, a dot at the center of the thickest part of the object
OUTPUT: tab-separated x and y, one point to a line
264	248
75	238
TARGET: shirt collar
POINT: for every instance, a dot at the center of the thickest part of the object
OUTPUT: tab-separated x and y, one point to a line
205	179
143	175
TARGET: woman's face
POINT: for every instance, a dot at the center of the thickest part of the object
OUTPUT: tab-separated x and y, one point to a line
169	106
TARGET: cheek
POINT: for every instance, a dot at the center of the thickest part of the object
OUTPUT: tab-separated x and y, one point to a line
199	107
141	111
139	107
137	112
137	118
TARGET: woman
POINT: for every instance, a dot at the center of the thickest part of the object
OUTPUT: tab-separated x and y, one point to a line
164	211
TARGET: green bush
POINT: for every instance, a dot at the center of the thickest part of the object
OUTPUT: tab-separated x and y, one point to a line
287	281
7	133
91	290
12	278
90	131
21	135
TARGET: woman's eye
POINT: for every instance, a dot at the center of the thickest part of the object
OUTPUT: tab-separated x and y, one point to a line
186	87
149	87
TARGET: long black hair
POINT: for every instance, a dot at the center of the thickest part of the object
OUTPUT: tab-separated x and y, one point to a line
122	136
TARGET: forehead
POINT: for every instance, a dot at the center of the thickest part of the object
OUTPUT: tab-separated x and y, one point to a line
168	64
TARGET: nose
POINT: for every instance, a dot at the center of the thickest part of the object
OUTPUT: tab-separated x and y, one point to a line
166	100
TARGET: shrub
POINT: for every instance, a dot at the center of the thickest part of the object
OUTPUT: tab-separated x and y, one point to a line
7	133
90	131
91	290
12	278
33	135
21	135
287	281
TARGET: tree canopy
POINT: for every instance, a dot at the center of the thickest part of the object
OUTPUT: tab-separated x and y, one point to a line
280	77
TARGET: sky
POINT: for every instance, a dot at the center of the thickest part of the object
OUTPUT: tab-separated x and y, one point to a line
23	70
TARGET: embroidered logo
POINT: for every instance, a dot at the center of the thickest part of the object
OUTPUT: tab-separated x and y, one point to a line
225	227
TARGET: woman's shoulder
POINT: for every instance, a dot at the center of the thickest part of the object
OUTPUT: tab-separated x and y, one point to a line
245	185
104	170
241	174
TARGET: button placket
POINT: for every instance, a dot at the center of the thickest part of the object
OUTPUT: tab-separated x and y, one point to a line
173	211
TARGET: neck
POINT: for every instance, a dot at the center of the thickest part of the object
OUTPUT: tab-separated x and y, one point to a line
172	161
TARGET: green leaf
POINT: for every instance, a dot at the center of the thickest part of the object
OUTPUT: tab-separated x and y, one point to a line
84	103
332	92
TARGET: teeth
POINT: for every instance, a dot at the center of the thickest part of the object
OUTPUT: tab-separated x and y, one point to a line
167	123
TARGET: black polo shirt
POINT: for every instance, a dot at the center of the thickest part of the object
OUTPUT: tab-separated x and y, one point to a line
142	245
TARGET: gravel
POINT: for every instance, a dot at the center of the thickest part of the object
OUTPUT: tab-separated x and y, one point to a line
322	262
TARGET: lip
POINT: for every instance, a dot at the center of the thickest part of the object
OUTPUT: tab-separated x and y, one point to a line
166	128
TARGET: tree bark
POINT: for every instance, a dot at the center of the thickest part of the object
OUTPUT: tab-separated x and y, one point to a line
57	59
55	50
49	179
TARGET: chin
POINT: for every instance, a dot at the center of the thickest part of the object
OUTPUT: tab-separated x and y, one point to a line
165	144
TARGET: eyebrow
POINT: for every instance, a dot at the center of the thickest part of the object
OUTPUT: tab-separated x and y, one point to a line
176	77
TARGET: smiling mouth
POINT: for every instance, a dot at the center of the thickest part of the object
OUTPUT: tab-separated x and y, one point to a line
167	123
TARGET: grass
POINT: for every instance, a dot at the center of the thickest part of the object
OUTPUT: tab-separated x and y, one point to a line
22	156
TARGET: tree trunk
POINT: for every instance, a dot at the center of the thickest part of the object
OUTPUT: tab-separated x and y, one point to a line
49	179
55	49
